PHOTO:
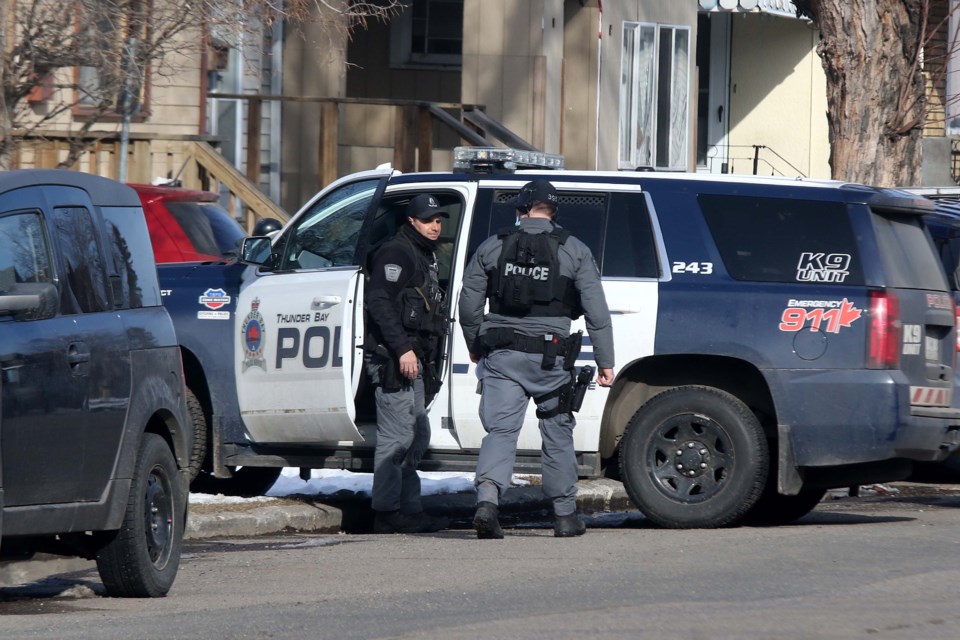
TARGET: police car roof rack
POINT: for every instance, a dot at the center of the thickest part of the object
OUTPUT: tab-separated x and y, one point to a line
482	160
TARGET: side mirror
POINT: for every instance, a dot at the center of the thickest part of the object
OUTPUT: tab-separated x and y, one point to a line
30	301
257	250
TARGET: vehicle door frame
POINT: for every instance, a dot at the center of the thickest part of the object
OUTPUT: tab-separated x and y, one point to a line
352	313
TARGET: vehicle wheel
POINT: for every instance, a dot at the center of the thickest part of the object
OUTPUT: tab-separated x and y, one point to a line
199	421
694	457
610	467
774	508
247	482
141	559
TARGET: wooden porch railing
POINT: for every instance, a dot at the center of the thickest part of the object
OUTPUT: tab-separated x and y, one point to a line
191	161
195	163
413	129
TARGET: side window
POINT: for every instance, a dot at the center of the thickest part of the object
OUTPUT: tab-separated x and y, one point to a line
129	247
328	234
84	285
949	251
783	240
24	253
629	249
584	214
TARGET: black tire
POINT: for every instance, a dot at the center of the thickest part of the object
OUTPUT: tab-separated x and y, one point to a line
141	559
610	467
774	509
247	482
706	433
198	418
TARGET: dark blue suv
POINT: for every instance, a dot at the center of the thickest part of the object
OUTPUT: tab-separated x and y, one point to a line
774	338
944	226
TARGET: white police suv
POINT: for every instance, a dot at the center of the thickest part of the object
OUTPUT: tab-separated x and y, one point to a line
774	337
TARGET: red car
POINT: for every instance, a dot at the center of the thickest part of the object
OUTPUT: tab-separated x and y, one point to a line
188	226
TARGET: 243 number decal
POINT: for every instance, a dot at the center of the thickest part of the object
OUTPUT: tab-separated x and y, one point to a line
702	268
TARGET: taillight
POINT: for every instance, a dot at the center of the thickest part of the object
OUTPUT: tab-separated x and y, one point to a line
884	339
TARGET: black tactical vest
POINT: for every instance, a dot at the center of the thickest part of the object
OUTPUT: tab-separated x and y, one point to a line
421	302
527	280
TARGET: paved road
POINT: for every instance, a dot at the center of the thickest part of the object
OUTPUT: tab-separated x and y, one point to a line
877	567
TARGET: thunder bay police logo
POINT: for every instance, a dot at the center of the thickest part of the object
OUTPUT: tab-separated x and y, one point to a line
252	331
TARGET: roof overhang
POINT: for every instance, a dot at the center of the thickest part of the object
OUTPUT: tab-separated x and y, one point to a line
783	8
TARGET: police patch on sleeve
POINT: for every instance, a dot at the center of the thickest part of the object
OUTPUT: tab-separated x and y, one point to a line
392	272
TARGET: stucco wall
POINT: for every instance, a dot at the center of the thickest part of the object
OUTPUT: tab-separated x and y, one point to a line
778	101
512	64
580	53
313	66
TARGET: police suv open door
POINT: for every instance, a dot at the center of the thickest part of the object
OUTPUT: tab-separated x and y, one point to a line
299	350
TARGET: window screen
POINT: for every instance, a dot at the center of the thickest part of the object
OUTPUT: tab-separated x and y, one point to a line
783	240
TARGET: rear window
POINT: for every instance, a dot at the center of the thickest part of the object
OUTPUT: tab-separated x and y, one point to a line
616	227
783	240
909	258
210	229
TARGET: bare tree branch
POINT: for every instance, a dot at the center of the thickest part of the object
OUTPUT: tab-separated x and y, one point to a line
94	55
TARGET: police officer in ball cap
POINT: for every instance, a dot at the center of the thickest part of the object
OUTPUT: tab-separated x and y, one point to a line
537	278
404	307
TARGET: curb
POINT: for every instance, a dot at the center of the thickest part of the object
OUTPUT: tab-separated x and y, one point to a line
313	517
352	513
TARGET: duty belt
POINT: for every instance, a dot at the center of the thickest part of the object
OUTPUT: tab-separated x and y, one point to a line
549	345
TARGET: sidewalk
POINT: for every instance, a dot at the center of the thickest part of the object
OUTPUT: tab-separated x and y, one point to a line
352	514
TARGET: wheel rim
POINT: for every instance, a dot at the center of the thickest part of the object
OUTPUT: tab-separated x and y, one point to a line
158	516
691	458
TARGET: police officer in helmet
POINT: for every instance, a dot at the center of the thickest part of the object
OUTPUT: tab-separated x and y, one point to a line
537	278
405	316
266	227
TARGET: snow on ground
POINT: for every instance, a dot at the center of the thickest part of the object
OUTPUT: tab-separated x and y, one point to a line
325	482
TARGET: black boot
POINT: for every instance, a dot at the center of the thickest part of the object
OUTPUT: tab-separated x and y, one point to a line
486	523
569	526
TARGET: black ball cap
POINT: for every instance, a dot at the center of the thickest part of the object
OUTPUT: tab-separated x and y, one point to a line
424	207
536	191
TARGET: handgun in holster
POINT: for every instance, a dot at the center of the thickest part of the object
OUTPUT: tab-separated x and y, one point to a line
580	387
390	377
569	396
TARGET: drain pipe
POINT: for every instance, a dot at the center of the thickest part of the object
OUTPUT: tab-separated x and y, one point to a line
596	152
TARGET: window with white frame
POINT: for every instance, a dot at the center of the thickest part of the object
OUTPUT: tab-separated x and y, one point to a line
117	75
654	96
428	33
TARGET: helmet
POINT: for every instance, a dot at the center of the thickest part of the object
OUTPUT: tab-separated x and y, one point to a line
266	226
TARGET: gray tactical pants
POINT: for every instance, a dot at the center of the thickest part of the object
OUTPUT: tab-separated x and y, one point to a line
403	435
508	381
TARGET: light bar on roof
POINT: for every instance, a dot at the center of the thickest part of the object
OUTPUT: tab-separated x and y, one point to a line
488	159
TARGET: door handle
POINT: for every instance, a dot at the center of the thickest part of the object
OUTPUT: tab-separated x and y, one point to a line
325	301
77	356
